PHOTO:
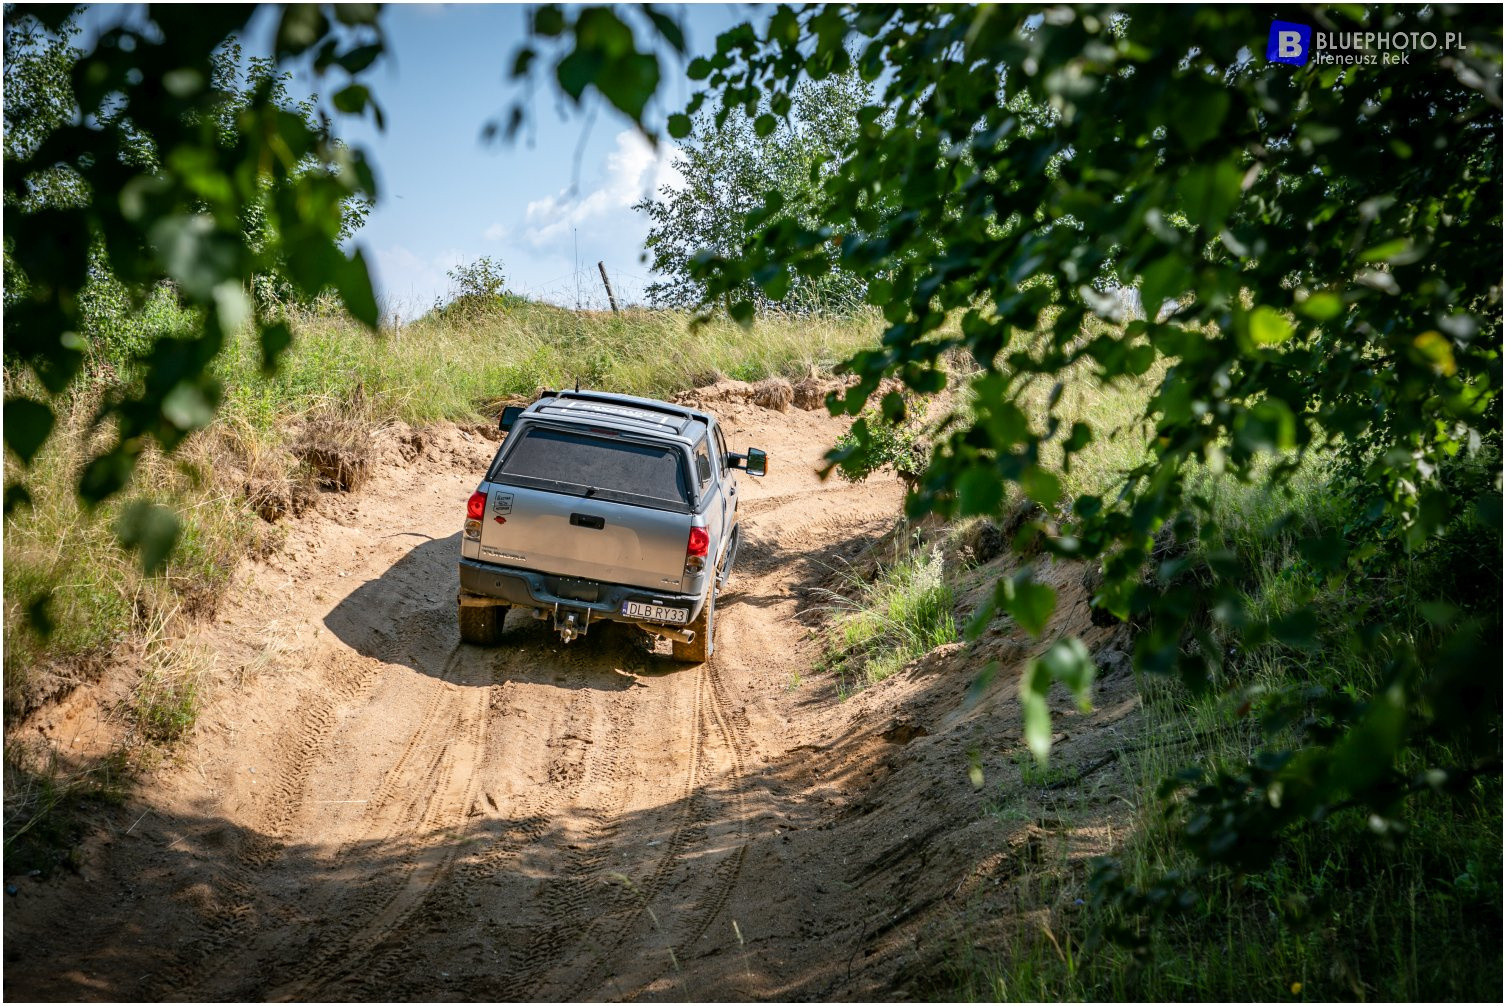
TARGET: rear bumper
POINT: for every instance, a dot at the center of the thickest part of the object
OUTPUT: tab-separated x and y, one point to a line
526	588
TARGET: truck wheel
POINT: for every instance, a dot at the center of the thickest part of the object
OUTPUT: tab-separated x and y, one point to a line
699	651
481	624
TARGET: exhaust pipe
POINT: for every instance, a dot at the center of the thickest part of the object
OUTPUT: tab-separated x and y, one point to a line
682	636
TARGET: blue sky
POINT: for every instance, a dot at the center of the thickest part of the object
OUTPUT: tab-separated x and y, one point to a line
447	197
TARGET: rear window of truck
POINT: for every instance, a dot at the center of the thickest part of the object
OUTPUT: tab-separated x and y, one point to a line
621	470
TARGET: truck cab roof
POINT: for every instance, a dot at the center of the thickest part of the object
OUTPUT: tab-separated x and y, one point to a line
627	413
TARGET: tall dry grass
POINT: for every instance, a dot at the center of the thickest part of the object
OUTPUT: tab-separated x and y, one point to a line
266	452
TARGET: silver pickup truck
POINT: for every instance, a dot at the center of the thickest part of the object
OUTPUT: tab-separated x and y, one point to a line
602	506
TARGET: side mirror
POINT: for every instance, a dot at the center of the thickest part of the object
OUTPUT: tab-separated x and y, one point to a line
758	462
509	416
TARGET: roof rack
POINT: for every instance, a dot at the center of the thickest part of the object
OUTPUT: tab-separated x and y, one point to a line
633	401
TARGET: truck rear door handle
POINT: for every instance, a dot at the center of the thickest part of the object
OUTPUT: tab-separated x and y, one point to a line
586	520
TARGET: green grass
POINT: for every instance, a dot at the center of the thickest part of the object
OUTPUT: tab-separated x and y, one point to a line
904	612
65	571
1343	911
459	365
47	803
340	380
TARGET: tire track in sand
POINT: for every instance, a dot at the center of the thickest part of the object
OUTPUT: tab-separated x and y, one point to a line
232	920
436	773
714	781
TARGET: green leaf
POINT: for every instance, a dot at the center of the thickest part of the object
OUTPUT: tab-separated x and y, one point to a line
1164	279
1029	603
668	29
354	284
549	21
1435	350
1196	111
629	81
16	495
1041	486
1069	662
1439	613
699	69
352	98
1037	715
356	14
1299	630
276	337
28	424
1082	435
360	58
1321	306
150	529
301	27
784	26
195	254
679	126
778	285
38	616
1387	251
1268	425
578	71
1368	751
187	407
106	475
1269	327
980	683
764	124
980	490
1209	194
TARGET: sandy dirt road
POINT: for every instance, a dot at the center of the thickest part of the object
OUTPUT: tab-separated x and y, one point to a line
371	810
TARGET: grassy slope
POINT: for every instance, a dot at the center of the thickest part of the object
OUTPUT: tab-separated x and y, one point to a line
1344	912
457	364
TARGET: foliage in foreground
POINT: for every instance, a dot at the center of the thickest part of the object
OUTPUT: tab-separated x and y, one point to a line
1319	247
127	160
1342	910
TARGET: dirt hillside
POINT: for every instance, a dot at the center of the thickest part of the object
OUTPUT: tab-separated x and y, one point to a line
370	810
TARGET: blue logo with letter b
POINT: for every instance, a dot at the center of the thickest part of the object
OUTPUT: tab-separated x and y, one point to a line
1289	43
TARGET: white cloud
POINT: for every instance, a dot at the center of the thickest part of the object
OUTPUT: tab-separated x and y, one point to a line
632	172
408	284
496	232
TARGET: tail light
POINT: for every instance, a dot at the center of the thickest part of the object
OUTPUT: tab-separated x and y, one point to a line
475	509
695	550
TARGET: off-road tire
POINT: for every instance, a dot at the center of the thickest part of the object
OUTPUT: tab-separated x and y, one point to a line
704	626
481	625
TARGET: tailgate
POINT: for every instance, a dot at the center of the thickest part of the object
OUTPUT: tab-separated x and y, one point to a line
577	536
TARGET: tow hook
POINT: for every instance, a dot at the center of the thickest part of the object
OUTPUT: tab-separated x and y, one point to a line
571	626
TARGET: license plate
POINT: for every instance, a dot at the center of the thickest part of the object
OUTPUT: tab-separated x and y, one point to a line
654	612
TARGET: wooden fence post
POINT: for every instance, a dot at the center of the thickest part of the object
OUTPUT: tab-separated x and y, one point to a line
611	297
